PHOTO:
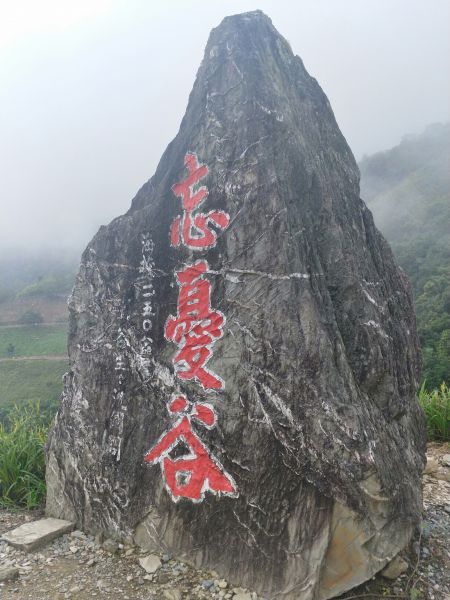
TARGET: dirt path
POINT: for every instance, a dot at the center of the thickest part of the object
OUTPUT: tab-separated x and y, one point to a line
45	357
79	567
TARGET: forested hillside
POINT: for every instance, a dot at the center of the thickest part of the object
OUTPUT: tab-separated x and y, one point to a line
408	190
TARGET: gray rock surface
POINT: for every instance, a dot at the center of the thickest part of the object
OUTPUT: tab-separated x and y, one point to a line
318	424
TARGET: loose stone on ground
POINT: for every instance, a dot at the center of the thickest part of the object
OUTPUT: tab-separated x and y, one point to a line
31	536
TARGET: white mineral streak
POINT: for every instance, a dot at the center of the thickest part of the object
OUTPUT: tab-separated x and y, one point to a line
278	403
272	276
244	152
232	278
245	330
227	272
269	111
164	374
331	412
372	300
377	328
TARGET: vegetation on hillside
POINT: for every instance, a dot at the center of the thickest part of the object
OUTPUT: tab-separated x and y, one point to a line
36	381
436	405
408	190
33	340
22	462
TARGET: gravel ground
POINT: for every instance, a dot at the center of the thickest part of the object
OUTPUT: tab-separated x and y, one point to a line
79	567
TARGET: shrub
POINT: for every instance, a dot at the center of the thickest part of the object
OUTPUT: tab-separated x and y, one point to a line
436	405
22	463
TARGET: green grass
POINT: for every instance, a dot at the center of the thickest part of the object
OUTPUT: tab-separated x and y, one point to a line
34	380
436	405
34	340
22	462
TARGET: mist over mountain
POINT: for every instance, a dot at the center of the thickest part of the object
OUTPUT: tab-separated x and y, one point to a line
408	190
50	271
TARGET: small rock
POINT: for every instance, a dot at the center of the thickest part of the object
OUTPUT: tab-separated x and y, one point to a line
222	584
77	534
129	552
446	460
432	466
443	473
150	563
91	562
32	535
244	596
99	537
395	568
110	546
7	573
173	594
207	583
74	549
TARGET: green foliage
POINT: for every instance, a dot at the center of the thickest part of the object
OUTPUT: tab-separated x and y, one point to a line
415	594
38	381
436	405
22	463
407	188
31	317
32	340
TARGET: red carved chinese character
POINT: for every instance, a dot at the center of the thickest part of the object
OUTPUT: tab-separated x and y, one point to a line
195	231
185	188
191	475
196	327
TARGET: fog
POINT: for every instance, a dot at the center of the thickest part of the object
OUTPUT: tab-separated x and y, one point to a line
91	93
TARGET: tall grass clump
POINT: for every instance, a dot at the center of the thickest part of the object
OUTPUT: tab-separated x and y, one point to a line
22	465
436	405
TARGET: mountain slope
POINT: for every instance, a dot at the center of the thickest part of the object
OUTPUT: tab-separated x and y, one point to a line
407	189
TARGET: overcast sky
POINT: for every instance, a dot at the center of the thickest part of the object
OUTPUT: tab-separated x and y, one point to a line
92	91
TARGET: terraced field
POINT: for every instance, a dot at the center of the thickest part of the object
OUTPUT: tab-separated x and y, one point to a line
33	360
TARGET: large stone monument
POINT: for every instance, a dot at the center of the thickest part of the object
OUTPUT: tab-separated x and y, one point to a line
243	351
